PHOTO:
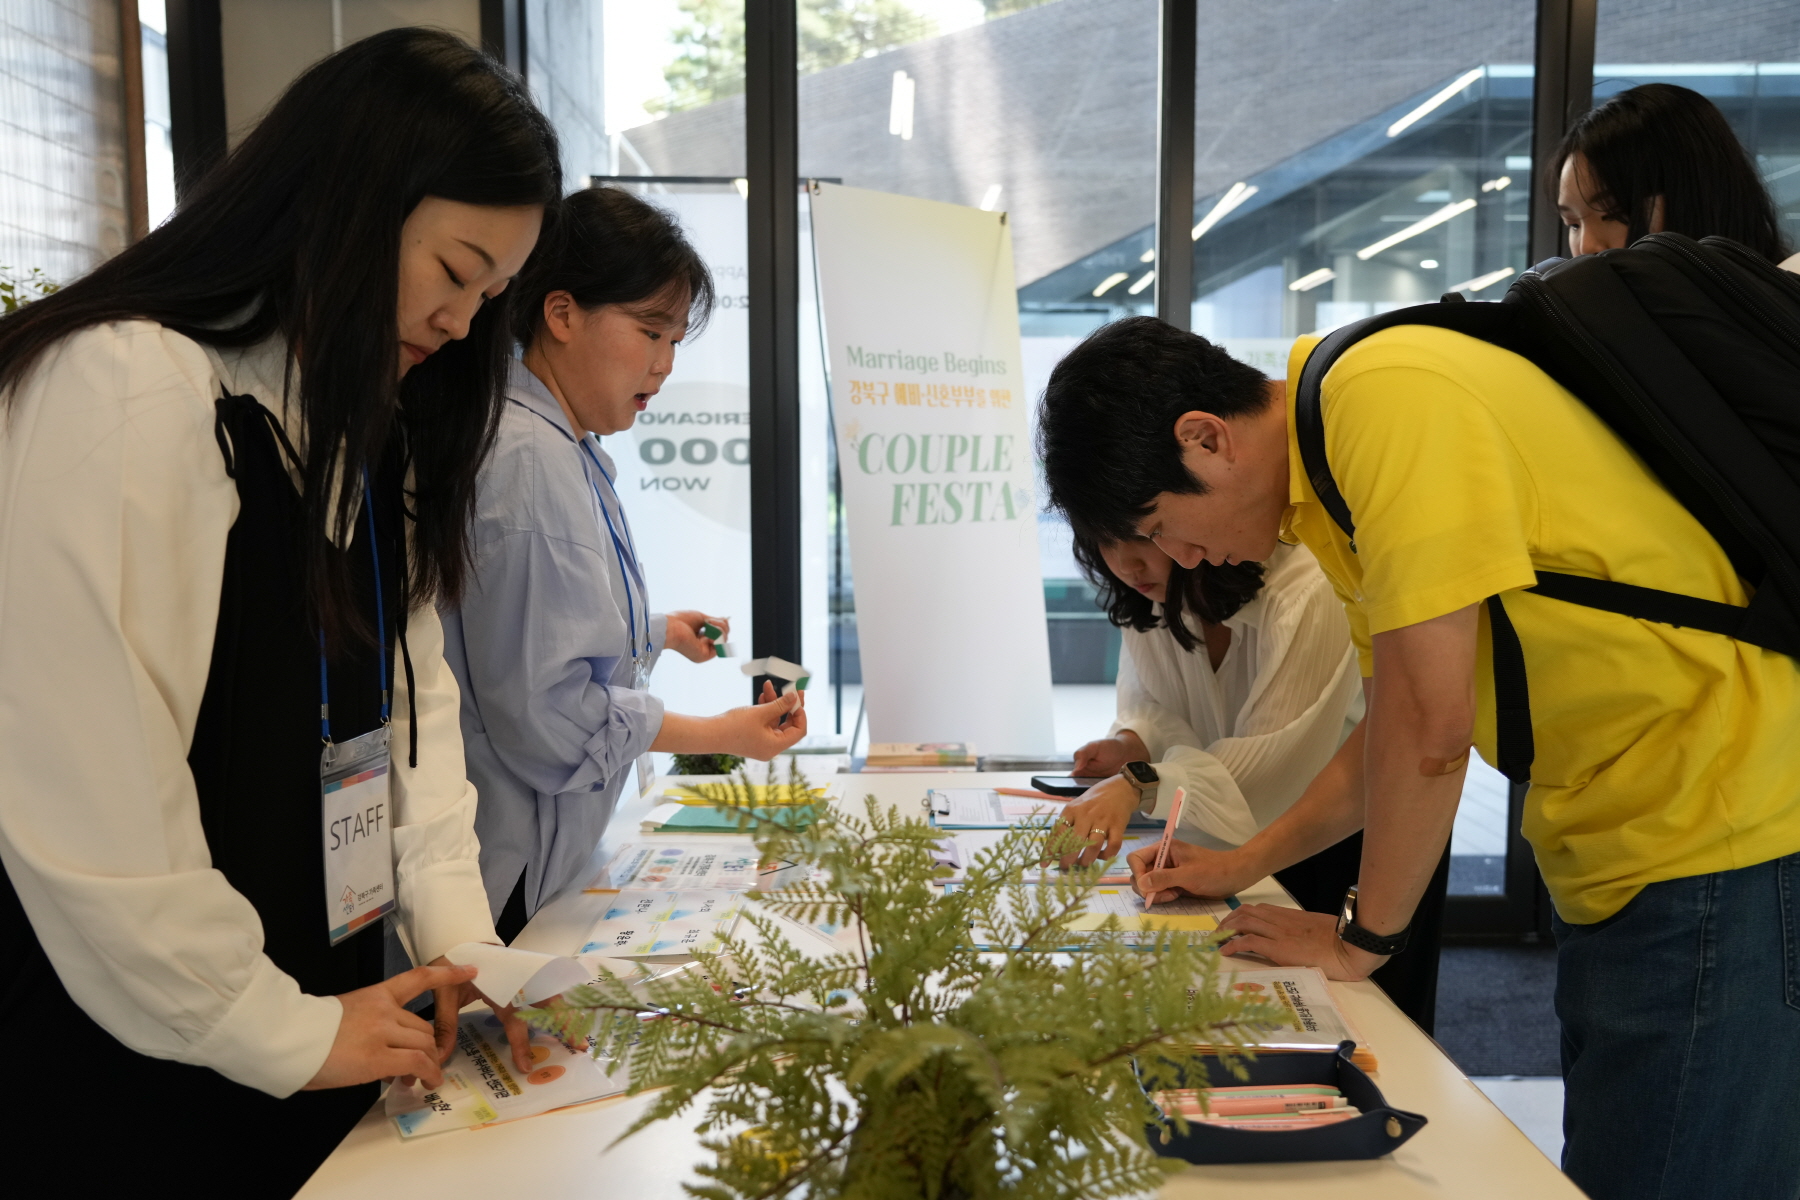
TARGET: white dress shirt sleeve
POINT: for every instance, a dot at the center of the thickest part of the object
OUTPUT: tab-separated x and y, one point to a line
437	859
1282	736
114	513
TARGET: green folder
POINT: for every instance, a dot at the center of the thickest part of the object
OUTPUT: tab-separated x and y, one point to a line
695	819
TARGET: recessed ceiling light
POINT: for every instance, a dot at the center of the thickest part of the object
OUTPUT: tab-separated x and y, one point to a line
1428	264
1110	282
1416	228
1483	281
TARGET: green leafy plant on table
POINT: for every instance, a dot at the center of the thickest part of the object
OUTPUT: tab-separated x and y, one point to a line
706	764
915	1065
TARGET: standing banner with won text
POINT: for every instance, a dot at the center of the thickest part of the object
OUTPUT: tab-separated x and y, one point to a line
684	466
935	452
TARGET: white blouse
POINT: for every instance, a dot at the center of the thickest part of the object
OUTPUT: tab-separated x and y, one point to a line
1245	740
114	510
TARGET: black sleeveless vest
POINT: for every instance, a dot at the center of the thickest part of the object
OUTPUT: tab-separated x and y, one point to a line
255	759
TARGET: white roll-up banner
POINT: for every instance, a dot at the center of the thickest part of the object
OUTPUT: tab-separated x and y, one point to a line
935	453
684	467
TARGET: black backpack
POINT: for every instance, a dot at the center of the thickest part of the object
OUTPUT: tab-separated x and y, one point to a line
1690	352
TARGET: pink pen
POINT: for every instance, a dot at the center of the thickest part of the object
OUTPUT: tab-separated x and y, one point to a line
1168	835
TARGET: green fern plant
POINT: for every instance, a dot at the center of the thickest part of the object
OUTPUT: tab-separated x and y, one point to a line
913	1064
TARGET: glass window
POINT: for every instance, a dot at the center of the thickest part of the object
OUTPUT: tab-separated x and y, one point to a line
1046	111
1743	55
1397	171
63	206
1337	177
159	146
672	118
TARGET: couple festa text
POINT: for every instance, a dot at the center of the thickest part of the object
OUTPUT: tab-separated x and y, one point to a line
946	501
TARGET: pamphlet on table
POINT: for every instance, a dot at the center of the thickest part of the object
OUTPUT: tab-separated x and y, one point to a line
1310	1020
482	1085
643	923
717	864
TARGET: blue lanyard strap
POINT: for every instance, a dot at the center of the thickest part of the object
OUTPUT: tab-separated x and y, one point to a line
380	628
619	551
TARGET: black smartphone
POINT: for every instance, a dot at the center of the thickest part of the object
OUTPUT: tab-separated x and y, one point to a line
1065	785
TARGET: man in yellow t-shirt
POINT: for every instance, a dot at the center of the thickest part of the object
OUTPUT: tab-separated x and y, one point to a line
1665	800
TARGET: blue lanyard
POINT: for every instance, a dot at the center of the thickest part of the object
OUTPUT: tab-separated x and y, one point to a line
380	628
619	550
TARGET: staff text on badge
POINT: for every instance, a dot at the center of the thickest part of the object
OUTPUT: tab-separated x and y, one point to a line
358	834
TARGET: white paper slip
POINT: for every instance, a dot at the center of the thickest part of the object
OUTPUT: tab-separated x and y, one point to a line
1189	914
985	808
639	924
510	976
960	849
720	864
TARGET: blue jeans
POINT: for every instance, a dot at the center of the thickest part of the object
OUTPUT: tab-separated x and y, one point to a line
1681	1040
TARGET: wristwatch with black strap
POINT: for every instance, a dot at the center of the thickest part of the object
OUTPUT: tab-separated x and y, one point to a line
1362	939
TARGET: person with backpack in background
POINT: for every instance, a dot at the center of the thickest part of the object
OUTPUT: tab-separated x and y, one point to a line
1565	531
1665	807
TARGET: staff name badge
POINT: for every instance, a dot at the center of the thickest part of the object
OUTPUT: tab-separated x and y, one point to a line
359	834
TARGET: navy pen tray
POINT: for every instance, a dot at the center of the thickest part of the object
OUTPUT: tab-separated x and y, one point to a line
1378	1131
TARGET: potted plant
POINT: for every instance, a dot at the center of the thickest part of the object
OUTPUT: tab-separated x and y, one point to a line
706	764
910	1063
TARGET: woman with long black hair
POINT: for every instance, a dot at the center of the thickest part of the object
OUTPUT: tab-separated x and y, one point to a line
1659	157
237	467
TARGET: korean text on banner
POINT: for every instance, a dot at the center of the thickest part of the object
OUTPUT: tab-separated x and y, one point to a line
934	446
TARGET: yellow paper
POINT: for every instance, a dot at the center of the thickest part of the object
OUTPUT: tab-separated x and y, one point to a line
736	794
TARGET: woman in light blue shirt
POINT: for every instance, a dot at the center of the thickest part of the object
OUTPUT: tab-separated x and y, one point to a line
554	640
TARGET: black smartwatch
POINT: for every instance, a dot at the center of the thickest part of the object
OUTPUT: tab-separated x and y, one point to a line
1362	939
1143	777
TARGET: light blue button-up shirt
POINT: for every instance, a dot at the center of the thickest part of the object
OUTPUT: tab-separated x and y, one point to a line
541	647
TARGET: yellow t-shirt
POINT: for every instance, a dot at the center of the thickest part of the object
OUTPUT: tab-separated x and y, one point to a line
1661	752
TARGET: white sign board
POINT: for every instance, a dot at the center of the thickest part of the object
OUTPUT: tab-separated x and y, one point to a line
684	468
934	449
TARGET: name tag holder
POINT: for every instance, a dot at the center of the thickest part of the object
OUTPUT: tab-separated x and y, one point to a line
359	834
354	794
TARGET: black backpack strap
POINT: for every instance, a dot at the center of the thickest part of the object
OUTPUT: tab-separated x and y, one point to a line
1488	322
1514	745
1649	604
1496	324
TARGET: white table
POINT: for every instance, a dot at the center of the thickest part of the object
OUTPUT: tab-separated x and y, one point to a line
1469	1151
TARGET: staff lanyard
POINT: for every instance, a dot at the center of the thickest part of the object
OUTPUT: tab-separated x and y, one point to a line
380	628
620	551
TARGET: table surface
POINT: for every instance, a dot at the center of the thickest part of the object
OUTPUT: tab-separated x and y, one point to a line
1469	1151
